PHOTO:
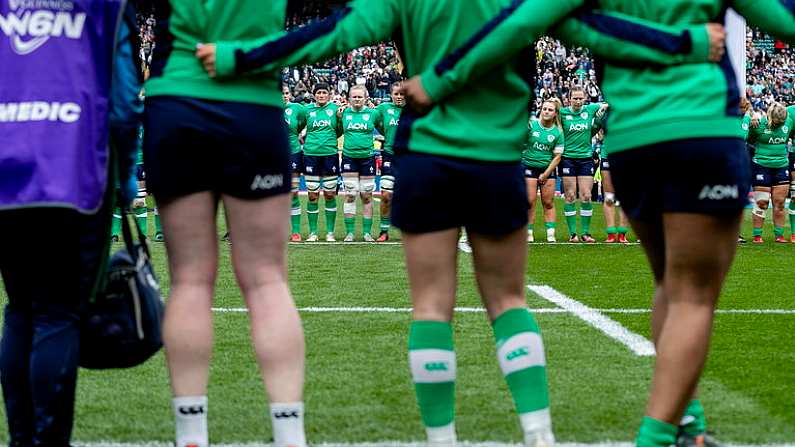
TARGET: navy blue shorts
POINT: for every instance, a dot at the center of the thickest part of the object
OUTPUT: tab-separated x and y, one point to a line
576	167
792	162
605	164
702	176
533	173
434	193
196	145
140	174
362	166
322	165
387	161
762	176
297	163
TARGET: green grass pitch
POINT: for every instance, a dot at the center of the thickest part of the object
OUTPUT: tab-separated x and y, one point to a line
358	385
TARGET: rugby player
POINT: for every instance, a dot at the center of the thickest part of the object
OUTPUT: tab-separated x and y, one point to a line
540	159
295	119
388	121
704	200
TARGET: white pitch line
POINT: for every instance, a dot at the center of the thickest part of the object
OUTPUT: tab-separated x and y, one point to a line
636	343
545	310
397	444
466	250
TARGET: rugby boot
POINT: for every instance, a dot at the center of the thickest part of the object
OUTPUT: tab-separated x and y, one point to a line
611	239
383	237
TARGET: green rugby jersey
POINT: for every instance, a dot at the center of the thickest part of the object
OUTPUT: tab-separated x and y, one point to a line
648	104
771	144
321	130
578	127
388	121
542	145
187	23
791	114
489	120
357	127
295	118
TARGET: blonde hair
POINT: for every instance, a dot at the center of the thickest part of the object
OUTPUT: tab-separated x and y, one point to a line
745	105
558	105
359	87
776	114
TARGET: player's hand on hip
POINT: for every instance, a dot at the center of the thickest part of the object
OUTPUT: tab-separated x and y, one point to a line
416	95
206	53
717	41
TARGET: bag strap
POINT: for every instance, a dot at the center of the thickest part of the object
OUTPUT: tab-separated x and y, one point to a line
128	238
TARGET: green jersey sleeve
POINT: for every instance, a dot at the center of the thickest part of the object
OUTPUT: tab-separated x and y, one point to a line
746	126
359	23
582	30
776	17
497	42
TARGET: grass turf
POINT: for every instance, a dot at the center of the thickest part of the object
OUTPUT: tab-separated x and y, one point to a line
358	385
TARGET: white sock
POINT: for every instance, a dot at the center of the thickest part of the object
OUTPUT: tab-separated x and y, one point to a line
441	436
287	420
536	421
190	413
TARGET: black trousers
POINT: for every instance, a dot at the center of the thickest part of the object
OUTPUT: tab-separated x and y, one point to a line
50	261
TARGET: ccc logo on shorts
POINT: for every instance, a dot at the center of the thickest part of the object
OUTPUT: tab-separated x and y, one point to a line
346	166
566	170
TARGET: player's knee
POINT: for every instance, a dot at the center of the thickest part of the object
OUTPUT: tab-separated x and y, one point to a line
351	185
367	185
548	204
610	199
330	185
312	184
388	183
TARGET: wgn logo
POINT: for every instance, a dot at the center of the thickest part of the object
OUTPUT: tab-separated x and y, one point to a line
719	192
28	27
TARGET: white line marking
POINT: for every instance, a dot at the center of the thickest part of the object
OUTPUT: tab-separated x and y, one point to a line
398	444
636	343
545	310
462	247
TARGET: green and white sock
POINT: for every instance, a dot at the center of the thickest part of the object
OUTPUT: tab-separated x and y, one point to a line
433	367
520	352
115	226
141	214
623	230
295	215
611	230
757	232
331	216
694	422
570	211
586	213
654	433
778	231
385	223
792	216
158	223
312	212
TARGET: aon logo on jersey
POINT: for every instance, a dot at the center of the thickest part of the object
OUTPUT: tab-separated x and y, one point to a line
578	127
321	123
541	147
357	126
394	122
777	140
